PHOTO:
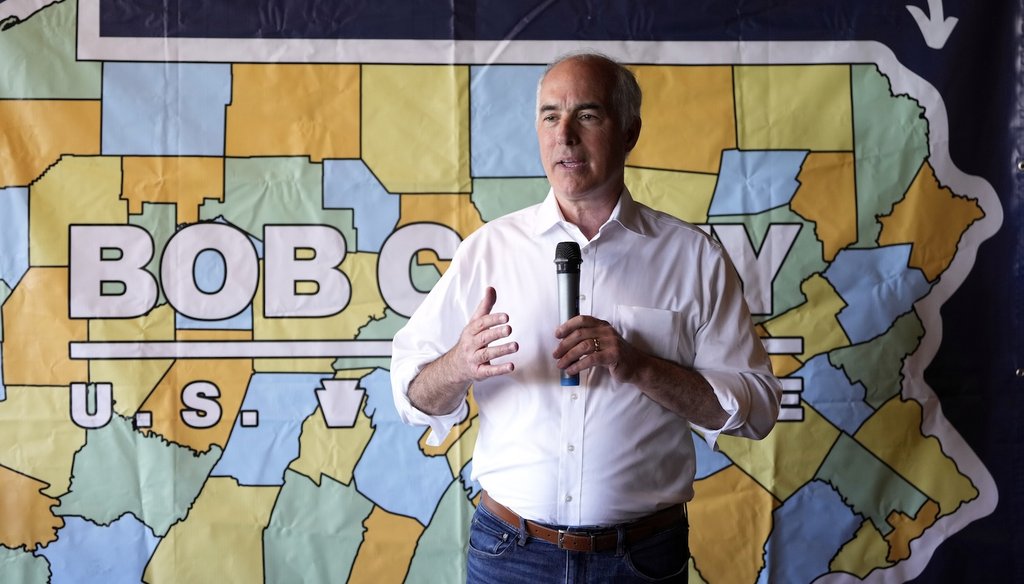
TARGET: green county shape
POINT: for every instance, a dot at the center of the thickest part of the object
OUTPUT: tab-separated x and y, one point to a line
441	551
38	58
314	532
121	471
891	143
869	486
878	363
160	221
276	191
5	293
382	329
804	259
23	567
495	197
424	276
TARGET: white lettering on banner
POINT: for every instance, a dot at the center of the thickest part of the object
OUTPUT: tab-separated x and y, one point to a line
757	270
102	406
178	276
89	270
326	248
396	254
202	410
284	271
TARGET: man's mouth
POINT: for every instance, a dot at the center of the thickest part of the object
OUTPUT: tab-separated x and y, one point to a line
571	163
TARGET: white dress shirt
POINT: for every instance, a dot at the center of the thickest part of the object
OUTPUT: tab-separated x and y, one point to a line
602	452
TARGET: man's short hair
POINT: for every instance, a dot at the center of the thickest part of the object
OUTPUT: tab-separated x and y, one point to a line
626	94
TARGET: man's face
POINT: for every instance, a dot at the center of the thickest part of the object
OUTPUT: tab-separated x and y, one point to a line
582	147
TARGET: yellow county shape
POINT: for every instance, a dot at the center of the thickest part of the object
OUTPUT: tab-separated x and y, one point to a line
729	498
133	379
455	211
866	552
28	516
37	331
688	118
893	434
365	303
828	197
794	107
415	124
788	457
37	436
186	182
37	132
931	218
907	529
231	376
294	110
814	320
333	452
388	545
78	190
221	540
685	195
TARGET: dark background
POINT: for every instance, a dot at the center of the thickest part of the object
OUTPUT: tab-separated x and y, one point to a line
977	72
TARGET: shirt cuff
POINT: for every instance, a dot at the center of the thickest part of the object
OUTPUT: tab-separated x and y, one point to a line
440	425
742	395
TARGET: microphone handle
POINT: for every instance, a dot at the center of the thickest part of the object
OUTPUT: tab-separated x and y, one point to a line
568	307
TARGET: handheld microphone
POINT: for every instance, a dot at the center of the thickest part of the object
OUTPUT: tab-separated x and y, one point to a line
567	268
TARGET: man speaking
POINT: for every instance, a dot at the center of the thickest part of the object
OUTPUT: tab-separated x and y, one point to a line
585	482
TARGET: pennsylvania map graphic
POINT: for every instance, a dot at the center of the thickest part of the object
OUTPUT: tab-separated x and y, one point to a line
277	454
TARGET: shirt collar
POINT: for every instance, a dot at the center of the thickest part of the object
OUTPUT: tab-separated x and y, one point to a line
626	213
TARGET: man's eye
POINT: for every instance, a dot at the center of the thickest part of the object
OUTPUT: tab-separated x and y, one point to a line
587	116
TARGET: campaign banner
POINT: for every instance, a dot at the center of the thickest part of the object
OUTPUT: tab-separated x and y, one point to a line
215	215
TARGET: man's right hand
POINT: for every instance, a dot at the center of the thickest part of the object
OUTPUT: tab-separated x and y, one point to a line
442	384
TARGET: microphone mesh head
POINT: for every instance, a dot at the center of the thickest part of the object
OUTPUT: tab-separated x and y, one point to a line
568	251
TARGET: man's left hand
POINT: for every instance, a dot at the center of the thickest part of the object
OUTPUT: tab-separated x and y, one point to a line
586	342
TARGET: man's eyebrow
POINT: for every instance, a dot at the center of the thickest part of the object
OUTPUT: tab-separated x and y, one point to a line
578	107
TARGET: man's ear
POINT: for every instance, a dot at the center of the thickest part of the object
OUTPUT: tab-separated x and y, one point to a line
632	135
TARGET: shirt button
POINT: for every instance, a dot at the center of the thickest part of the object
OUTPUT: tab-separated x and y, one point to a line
583	296
568	498
574	396
571	448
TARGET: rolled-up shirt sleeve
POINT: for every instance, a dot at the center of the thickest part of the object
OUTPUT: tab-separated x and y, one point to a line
732	358
431	331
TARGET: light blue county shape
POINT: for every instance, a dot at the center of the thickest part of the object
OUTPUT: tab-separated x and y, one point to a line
209	272
877	286
466	478
23	567
708	461
258	455
164	109
349	184
756	180
830	392
13	234
393	473
502	118
810	528
87	553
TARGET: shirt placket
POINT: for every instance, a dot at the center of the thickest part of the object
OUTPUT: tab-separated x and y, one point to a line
574	407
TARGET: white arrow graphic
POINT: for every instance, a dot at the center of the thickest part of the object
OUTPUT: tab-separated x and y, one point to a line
340	400
935	27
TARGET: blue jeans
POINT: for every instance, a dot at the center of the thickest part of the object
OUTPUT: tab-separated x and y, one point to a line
500	553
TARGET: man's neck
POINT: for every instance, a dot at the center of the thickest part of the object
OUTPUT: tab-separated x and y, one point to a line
589	213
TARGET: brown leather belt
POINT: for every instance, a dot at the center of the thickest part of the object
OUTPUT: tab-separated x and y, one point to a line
597	540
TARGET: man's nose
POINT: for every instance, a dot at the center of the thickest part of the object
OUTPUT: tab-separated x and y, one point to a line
566	132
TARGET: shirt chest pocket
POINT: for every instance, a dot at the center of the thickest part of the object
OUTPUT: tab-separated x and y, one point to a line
659	332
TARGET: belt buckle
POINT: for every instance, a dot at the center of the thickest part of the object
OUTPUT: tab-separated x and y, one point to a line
561	541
